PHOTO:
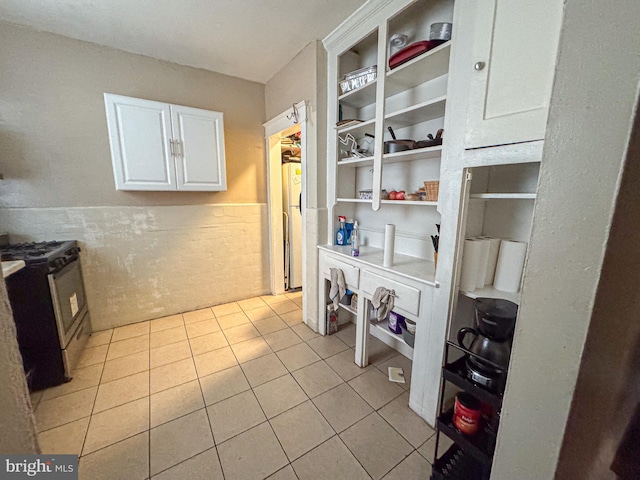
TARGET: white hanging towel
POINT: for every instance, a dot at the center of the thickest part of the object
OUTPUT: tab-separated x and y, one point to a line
382	301
338	286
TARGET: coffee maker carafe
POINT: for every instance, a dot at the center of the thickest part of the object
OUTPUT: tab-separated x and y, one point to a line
491	343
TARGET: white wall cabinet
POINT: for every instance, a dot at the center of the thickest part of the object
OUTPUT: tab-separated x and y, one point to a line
161	147
514	51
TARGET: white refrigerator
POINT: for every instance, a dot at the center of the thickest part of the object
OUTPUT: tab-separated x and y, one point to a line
291	198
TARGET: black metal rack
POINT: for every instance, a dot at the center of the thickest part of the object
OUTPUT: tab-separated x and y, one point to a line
470	457
456	464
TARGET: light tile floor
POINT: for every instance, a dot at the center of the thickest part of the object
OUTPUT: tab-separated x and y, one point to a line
236	391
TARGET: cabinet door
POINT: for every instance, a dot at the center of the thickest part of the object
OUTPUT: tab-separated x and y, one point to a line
514	44
139	136
200	160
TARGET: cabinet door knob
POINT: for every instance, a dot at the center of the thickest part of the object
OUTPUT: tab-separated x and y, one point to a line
479	66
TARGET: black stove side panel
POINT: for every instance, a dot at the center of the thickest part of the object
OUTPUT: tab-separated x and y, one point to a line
33	313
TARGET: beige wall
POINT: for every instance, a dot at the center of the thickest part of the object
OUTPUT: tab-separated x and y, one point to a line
304	78
53	131
144	254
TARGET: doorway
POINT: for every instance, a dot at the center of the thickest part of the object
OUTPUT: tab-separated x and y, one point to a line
287	176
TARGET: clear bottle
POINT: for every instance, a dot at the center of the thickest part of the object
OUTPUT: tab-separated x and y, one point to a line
348	228
355	240
341	234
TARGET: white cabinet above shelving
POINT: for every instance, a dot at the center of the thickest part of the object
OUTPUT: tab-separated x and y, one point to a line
514	47
161	147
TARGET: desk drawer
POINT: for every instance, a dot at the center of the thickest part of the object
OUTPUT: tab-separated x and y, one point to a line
407	298
351	273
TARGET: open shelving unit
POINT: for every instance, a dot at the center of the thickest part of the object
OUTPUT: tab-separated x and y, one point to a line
381	331
411	99
499	203
423	68
360	97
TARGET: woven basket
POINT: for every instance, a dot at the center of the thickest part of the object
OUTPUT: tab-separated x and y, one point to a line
431	189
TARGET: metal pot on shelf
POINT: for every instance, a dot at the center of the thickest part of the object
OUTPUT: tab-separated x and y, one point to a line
395	145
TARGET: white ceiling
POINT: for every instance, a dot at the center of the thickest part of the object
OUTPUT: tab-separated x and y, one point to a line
251	39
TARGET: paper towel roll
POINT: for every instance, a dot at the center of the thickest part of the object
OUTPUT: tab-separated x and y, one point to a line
470	264
483	260
510	265
389	244
492	261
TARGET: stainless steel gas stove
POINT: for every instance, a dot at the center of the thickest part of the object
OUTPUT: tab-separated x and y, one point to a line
49	308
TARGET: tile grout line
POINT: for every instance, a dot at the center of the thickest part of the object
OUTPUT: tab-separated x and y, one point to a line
261	408
204	402
326	420
149	405
86	433
374	411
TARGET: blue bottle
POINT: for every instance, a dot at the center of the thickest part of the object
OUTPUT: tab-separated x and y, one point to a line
341	234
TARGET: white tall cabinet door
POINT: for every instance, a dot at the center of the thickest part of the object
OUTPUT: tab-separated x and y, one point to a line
139	136
200	162
515	44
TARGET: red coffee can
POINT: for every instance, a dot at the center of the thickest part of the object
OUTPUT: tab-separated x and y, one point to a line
466	413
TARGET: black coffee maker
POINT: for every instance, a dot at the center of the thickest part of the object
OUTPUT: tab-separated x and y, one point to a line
491	344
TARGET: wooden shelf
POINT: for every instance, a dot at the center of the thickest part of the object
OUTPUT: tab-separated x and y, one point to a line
348	308
363	127
381	331
428	153
409	202
420	112
359	97
356	162
413	155
419	70
490	292
502	196
353	200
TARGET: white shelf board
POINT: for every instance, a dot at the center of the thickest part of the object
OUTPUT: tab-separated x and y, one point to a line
356	162
410	202
365	126
412	155
502	196
353	200
490	292
420	112
359	97
419	269
347	308
381	331
416	71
